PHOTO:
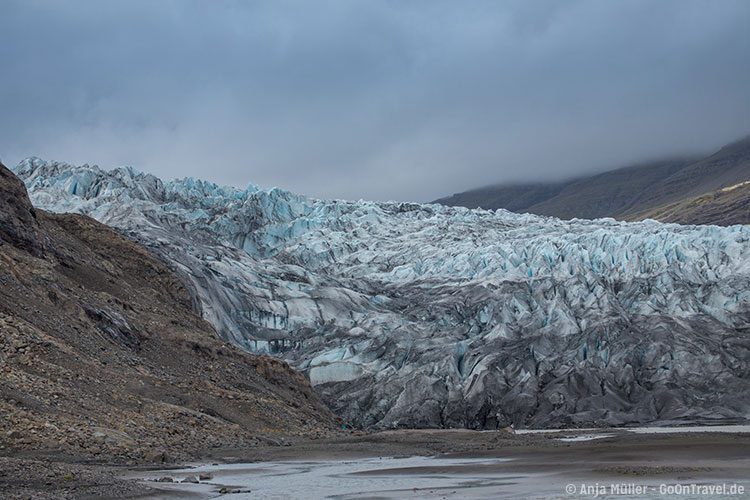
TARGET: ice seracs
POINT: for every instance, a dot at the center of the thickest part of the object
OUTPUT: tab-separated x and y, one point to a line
424	315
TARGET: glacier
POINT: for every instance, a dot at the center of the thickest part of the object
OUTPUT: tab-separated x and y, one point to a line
412	315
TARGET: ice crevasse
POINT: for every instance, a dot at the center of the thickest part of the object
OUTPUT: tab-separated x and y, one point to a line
405	314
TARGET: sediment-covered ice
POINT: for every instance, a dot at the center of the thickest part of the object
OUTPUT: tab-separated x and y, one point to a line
423	315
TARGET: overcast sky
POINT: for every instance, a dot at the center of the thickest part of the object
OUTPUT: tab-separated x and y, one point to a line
406	100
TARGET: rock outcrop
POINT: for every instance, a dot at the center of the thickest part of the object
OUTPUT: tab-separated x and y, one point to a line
18	226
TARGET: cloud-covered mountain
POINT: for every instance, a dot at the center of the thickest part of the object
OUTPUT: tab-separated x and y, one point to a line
632	193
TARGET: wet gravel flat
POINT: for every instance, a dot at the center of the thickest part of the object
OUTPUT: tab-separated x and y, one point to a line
528	466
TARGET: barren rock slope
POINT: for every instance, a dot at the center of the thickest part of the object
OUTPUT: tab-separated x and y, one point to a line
101	356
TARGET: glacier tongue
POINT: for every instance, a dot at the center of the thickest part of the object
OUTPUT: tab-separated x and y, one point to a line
423	315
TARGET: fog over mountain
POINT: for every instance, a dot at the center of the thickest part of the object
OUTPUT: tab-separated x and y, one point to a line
372	99
701	190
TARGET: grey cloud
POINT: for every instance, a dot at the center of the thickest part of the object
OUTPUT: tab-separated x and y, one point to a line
371	99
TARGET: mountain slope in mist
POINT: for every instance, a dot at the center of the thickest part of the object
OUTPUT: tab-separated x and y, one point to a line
626	193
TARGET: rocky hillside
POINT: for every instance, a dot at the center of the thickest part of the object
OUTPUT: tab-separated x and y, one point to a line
726	206
630	193
727	167
407	315
102	357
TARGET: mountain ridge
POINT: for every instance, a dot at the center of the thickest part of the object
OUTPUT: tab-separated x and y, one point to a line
624	192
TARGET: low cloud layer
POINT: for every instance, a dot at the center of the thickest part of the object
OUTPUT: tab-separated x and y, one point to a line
371	99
